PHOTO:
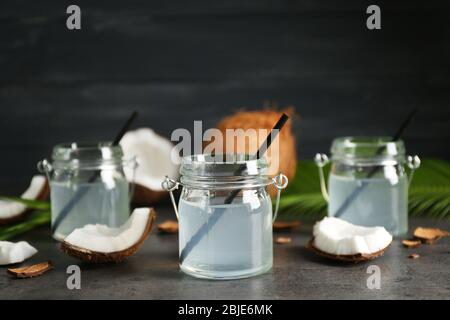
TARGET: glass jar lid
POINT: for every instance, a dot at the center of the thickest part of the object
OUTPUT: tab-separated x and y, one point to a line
85	155
223	171
368	150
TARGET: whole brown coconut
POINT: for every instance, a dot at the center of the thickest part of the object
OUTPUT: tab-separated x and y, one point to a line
263	119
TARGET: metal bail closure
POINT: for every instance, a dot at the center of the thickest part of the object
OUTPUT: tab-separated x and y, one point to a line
321	160
44	166
280	182
170	185
413	163
133	164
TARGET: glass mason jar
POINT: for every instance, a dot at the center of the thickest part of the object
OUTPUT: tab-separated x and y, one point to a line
225	216
367	184
87	186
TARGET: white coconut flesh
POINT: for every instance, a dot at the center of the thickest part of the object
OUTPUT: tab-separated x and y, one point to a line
101	238
10	209
154	156
11	252
338	237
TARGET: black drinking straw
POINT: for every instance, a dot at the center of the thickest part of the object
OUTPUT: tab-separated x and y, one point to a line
204	229
359	189
82	192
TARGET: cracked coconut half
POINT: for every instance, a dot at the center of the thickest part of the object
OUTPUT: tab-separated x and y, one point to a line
11	211
340	240
102	244
155	161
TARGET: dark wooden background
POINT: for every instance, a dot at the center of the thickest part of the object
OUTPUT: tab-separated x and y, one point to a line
179	61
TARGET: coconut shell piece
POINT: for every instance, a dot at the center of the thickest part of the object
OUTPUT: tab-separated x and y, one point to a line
285	225
283	240
411	243
168	226
31	271
263	119
44	194
429	235
414	256
354	258
89	256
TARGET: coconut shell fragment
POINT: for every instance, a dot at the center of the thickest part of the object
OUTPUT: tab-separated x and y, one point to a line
283	240
90	256
31	271
353	258
414	256
429	235
411	243
285	225
168	226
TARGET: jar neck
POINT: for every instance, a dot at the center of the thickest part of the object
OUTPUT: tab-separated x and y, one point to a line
368	162
87	156
221	182
368	151
223	171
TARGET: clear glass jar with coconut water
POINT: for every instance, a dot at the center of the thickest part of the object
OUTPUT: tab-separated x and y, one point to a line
367	183
225	216
87	185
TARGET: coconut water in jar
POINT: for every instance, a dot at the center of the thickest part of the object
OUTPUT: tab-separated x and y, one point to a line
87	186
382	202
104	203
225	216
367	184
240	240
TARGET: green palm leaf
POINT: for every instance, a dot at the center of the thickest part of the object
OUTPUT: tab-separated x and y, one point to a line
30	204
40	216
36	219
429	194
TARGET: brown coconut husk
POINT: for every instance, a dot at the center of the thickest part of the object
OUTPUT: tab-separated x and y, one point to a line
263	119
354	258
90	256
43	195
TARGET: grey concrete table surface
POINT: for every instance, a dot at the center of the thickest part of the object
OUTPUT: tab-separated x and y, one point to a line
153	273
